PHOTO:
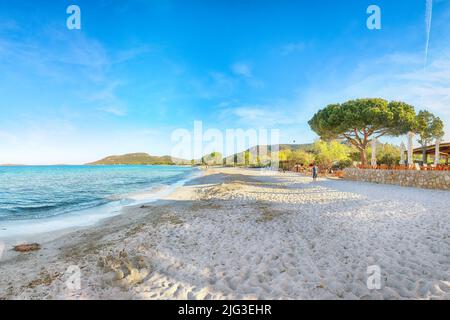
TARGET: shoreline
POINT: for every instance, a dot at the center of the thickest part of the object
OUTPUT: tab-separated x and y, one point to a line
238	234
55	227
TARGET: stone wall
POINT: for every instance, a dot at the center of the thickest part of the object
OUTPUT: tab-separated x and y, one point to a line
407	178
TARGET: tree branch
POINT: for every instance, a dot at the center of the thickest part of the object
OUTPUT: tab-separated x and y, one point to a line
353	141
357	136
380	135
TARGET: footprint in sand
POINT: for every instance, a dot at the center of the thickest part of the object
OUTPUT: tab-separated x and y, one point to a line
423	288
245	275
232	283
204	294
445	286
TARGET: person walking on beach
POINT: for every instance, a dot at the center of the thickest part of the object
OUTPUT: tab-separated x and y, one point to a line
314	172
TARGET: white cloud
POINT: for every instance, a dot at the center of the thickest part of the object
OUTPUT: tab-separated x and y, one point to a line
115	110
292	48
130	54
242	69
213	85
75	60
108	100
258	115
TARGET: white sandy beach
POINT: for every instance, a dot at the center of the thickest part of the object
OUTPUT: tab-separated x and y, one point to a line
242	234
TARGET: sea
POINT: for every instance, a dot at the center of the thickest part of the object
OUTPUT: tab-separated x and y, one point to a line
37	199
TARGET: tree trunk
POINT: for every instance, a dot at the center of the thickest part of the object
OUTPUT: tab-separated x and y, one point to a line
424	154
363	157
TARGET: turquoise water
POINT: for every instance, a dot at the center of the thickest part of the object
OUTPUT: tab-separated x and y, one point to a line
38	192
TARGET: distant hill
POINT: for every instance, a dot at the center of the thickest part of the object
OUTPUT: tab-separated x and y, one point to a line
267	149
146	159
294	147
139	158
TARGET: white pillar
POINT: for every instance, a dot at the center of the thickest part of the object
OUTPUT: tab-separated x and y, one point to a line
410	148
437	154
402	153
373	162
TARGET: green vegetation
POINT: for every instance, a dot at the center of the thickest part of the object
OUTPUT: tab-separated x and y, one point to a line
359	121
329	153
336	155
296	157
428	127
248	158
342	164
386	154
212	159
326	154
138	159
302	157
260	156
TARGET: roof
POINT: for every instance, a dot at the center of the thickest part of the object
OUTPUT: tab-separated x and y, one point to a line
444	149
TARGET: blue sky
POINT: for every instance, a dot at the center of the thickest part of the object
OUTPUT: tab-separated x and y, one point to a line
137	70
